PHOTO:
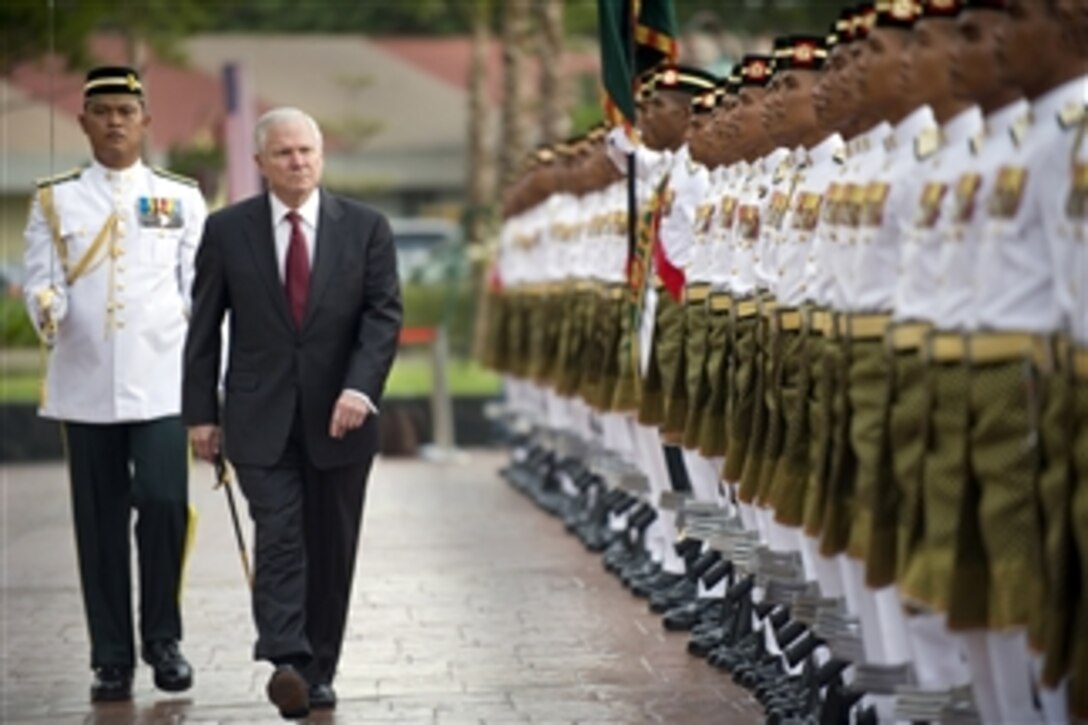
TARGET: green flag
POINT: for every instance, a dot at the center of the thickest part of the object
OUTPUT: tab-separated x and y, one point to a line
655	34
635	35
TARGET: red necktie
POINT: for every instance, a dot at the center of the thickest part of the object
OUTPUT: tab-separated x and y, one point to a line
296	275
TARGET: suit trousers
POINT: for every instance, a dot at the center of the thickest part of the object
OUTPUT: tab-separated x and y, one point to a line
115	468
306	525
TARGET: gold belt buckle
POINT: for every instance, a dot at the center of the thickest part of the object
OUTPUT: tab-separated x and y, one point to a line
867	326
908	336
696	293
945	347
788	319
746	308
720	302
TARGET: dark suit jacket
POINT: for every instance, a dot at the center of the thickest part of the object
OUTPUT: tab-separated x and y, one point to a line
348	337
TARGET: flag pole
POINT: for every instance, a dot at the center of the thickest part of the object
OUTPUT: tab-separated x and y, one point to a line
632	199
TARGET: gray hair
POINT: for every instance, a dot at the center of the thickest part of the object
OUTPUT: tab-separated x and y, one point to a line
284	115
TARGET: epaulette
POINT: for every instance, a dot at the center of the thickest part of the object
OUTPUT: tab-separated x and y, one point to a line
68	175
927	142
174	177
976	142
1071	114
1019	128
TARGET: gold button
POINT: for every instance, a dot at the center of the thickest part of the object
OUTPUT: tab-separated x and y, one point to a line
120	324
120	284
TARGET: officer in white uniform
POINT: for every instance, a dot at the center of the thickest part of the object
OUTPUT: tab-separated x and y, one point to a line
109	258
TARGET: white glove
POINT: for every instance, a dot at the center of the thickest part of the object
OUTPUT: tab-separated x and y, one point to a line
50	307
619	147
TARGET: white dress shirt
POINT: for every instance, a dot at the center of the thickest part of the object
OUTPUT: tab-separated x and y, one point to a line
281	231
281	227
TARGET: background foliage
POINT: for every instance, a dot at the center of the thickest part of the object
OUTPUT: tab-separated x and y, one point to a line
161	23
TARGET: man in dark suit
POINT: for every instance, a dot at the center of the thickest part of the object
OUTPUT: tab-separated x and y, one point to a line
309	354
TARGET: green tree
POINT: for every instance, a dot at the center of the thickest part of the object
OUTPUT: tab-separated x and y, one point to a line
160	24
430	17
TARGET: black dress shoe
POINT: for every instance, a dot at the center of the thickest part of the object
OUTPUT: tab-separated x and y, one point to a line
111	684
289	692
322	697
172	670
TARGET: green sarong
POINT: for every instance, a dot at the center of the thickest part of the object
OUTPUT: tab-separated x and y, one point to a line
696	339
791	475
927	577
713	431
742	394
1004	563
819	444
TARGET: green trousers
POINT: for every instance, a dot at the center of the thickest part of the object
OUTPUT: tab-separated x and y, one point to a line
116	469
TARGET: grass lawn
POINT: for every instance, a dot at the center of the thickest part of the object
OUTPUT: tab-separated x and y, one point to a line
411	376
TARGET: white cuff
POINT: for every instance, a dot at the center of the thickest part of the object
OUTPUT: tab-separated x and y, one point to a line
364	397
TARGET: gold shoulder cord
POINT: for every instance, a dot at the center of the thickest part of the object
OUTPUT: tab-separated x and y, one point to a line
93	257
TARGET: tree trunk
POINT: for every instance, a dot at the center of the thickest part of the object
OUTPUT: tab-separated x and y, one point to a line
480	171
554	124
515	89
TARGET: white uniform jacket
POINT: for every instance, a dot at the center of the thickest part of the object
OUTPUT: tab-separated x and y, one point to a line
121	305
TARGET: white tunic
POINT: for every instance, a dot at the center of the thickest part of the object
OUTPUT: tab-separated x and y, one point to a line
1065	205
920	213
876	254
1015	274
117	355
803	266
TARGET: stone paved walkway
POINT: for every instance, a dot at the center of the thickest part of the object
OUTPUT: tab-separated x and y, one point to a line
471	606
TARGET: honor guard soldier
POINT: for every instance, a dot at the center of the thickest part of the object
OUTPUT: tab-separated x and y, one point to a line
1061	630
1018	312
754	145
791	120
109	258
